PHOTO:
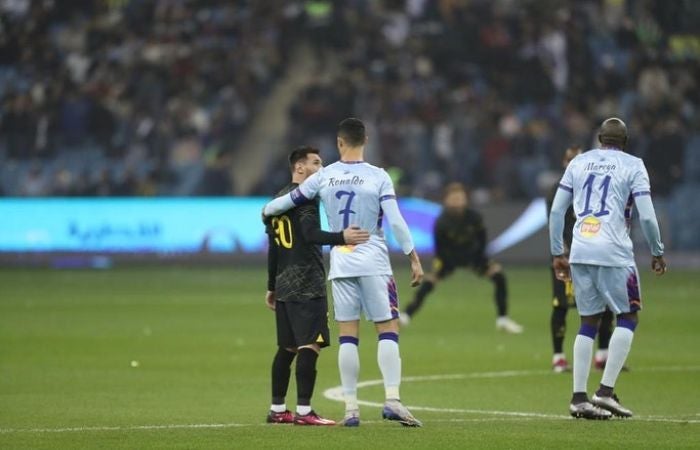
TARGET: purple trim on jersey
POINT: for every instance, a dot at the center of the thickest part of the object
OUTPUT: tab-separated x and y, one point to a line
628	207
588	330
624	323
566	188
635	300
387	197
393	298
389	336
351	162
640	193
348	340
297	197
380	218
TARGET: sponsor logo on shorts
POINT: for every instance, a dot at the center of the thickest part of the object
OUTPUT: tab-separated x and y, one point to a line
346	248
590	226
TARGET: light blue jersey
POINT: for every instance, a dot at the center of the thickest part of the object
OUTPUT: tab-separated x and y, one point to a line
354	194
604	184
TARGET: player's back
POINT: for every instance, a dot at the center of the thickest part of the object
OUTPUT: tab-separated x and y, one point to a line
351	193
603	183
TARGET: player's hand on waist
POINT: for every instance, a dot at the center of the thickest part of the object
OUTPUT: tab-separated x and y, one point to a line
561	267
353	235
658	265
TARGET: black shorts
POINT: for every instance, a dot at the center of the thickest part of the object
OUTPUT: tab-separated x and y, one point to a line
302	323
563	292
444	268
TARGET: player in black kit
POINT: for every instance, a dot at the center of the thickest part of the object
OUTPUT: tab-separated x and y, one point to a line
563	293
296	291
460	241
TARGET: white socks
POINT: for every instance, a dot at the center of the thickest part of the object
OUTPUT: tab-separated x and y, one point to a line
583	352
349	366
303	410
619	348
389	361
278	408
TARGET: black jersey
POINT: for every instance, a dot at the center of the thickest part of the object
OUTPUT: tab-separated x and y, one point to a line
295	262
569	218
460	238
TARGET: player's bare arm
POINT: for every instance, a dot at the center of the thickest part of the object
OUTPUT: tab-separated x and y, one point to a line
562	270
416	269
270	300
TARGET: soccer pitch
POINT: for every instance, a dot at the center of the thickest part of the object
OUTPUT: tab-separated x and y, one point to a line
180	358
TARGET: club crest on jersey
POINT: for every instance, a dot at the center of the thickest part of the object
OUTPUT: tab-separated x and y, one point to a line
590	226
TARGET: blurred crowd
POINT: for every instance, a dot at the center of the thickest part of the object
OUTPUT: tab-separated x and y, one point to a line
132	97
490	93
152	97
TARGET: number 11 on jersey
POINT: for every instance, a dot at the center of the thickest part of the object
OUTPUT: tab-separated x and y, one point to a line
588	186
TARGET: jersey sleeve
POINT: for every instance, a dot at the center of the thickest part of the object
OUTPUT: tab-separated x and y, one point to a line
561	203
639	184
398	225
649	224
439	238
271	259
311	227
305	192
567	180
386	188
308	189
480	247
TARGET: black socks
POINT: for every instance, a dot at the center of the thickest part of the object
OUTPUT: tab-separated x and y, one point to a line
501	294
306	375
425	288
281	371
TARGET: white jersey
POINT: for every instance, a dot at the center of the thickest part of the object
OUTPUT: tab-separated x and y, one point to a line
604	183
352	193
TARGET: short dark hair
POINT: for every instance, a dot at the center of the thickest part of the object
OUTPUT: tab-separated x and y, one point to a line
300	154
613	132
454	186
352	131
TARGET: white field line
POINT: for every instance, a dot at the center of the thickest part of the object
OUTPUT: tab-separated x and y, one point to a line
125	428
335	393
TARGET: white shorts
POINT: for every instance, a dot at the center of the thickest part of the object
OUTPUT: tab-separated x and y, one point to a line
596	287
375	295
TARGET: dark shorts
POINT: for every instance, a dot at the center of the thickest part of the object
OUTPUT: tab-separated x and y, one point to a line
302	323
444	268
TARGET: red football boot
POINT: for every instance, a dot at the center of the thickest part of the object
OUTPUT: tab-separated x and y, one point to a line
280	417
312	419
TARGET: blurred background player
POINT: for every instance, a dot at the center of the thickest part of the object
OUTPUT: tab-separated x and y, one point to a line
296	291
563	293
354	191
602	184
460	241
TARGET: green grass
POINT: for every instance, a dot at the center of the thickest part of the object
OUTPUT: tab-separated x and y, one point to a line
204	343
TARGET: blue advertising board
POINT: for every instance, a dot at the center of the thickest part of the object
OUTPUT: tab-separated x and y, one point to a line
180	225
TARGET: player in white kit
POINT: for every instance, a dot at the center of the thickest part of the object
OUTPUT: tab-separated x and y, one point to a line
603	184
355	193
